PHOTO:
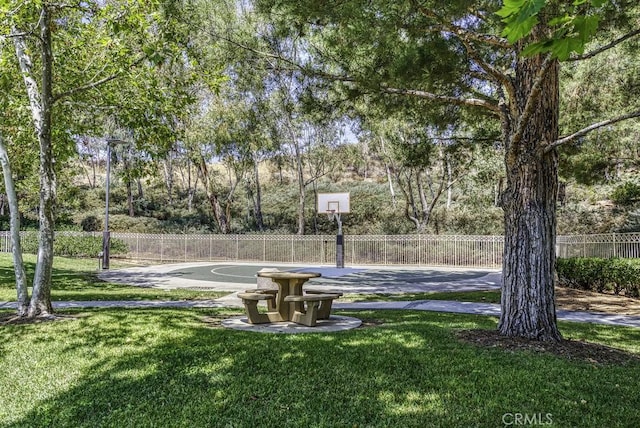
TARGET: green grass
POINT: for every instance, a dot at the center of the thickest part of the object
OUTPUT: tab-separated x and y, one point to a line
76	279
175	367
178	367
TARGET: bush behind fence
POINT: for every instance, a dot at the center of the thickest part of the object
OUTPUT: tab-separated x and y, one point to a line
419	250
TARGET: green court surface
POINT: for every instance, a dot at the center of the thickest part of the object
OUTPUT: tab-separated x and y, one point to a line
394	279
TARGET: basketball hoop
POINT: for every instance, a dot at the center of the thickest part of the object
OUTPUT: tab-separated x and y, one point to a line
333	215
335	204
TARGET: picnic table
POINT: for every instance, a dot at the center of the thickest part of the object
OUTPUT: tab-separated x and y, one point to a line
288	302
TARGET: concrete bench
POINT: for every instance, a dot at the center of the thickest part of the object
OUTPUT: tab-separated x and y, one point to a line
324	311
307	307
250	300
271	303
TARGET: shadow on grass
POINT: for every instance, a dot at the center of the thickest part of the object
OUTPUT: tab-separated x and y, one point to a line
77	280
169	368
63	278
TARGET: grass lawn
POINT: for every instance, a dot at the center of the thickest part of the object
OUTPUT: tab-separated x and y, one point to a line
76	279
176	367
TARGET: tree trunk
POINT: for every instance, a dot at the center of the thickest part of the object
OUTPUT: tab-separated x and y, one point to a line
301	189
218	213
214	201
449	181
168	177
132	212
529	203
41	103
14	225
257	202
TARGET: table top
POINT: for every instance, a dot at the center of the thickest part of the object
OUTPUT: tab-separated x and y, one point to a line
289	275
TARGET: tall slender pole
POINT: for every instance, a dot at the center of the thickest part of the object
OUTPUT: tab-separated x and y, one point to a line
339	243
106	235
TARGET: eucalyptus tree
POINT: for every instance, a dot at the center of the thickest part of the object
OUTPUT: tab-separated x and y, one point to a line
9	124
423	163
221	134
277	125
14	224
461	53
66	52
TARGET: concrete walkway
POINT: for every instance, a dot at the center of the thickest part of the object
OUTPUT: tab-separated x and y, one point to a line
232	301
355	280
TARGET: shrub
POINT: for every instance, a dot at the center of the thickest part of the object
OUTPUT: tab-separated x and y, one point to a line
90	223
583	273
74	245
626	194
595	274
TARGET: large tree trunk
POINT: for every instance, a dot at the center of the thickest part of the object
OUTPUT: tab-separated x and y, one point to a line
14	225
529	203
41	293
41	102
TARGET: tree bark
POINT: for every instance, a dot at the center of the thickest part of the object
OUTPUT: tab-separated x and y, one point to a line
529	204
14	225
214	200
257	201
41	102
301	187
168	177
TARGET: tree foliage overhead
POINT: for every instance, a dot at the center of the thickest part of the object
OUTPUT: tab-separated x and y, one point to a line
67	54
452	56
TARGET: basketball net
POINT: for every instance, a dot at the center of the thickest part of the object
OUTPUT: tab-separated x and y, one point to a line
333	215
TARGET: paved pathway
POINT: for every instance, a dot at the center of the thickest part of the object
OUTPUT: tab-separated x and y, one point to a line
419	305
365	280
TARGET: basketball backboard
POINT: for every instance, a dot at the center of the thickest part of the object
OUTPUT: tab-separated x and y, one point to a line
337	203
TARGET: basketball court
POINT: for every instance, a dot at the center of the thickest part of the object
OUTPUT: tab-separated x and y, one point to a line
232	277
358	279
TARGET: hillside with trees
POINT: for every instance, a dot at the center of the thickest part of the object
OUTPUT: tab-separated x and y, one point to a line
247	148
170	196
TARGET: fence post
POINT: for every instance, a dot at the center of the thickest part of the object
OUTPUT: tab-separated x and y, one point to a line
455	250
385	249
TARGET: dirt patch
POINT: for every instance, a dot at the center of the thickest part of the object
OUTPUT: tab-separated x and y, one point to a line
592	353
579	300
12	319
572	300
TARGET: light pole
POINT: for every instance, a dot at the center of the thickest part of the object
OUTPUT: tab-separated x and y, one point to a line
106	235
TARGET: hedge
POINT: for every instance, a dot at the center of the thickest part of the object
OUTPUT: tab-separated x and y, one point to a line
600	275
75	245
